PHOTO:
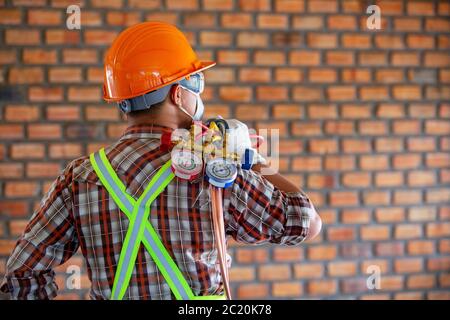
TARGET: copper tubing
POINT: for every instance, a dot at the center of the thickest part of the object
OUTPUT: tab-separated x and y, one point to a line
219	233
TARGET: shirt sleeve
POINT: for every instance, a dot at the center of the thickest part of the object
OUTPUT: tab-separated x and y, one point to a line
49	239
257	212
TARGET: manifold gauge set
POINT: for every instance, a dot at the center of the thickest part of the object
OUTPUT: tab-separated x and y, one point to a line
213	149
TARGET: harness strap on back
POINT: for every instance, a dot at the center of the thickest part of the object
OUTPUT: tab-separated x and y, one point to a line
140	229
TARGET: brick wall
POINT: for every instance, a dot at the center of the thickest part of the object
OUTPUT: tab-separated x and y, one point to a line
363	115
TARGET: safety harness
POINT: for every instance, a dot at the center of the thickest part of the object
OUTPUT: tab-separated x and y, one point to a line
141	230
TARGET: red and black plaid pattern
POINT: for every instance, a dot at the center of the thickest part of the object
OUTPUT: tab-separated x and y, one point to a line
78	212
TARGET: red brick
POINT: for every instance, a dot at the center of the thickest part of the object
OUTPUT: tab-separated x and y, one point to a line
254	5
392	283
267	93
20	189
274	272
251	112
232	57
287	254
356	41
42	170
252	291
121	18
408	231
242	274
307	164
269	58
322	287
44	131
182	4
374	162
307	22
21	113
391	7
438	264
10	16
405	59
63	112
407	24
39	56
322	6
305	58
11	170
45	94
272	21
102	113
288	75
169	17
235	93
22	37
99	37
308	270
339	127
340	234
301	93
11	131
289	5
339	163
84	94
389	249
355	216
288	111
407	197
236	20
389	76
389	179
146	4
55	36
371	233
392	214
420	8
372	58
421	178
65	75
436	230
92	18
420	247
286	289
374	93
376	197
406	161
421	281
79	56
44	17
437	59
244	255
317	181
65	150
341	22
437	127
321	40
356	179
356	75
252	39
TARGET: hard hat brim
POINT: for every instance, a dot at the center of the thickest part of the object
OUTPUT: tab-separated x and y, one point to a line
201	66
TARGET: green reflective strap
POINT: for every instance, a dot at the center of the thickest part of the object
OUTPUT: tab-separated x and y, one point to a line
135	231
128	212
149	238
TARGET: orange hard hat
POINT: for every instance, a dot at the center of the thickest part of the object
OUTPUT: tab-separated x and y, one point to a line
146	57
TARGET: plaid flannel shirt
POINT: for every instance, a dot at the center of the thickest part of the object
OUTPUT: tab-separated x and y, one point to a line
78	212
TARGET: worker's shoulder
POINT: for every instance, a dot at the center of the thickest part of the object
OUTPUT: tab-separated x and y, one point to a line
81	170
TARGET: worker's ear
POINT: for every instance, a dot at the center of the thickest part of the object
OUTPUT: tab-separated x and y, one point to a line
175	95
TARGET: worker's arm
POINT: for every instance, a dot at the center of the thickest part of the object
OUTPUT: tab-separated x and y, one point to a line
259	210
49	240
285	185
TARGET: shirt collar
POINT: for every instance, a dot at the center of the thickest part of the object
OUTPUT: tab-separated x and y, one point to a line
148	131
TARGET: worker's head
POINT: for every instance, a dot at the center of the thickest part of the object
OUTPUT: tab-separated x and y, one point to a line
152	71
